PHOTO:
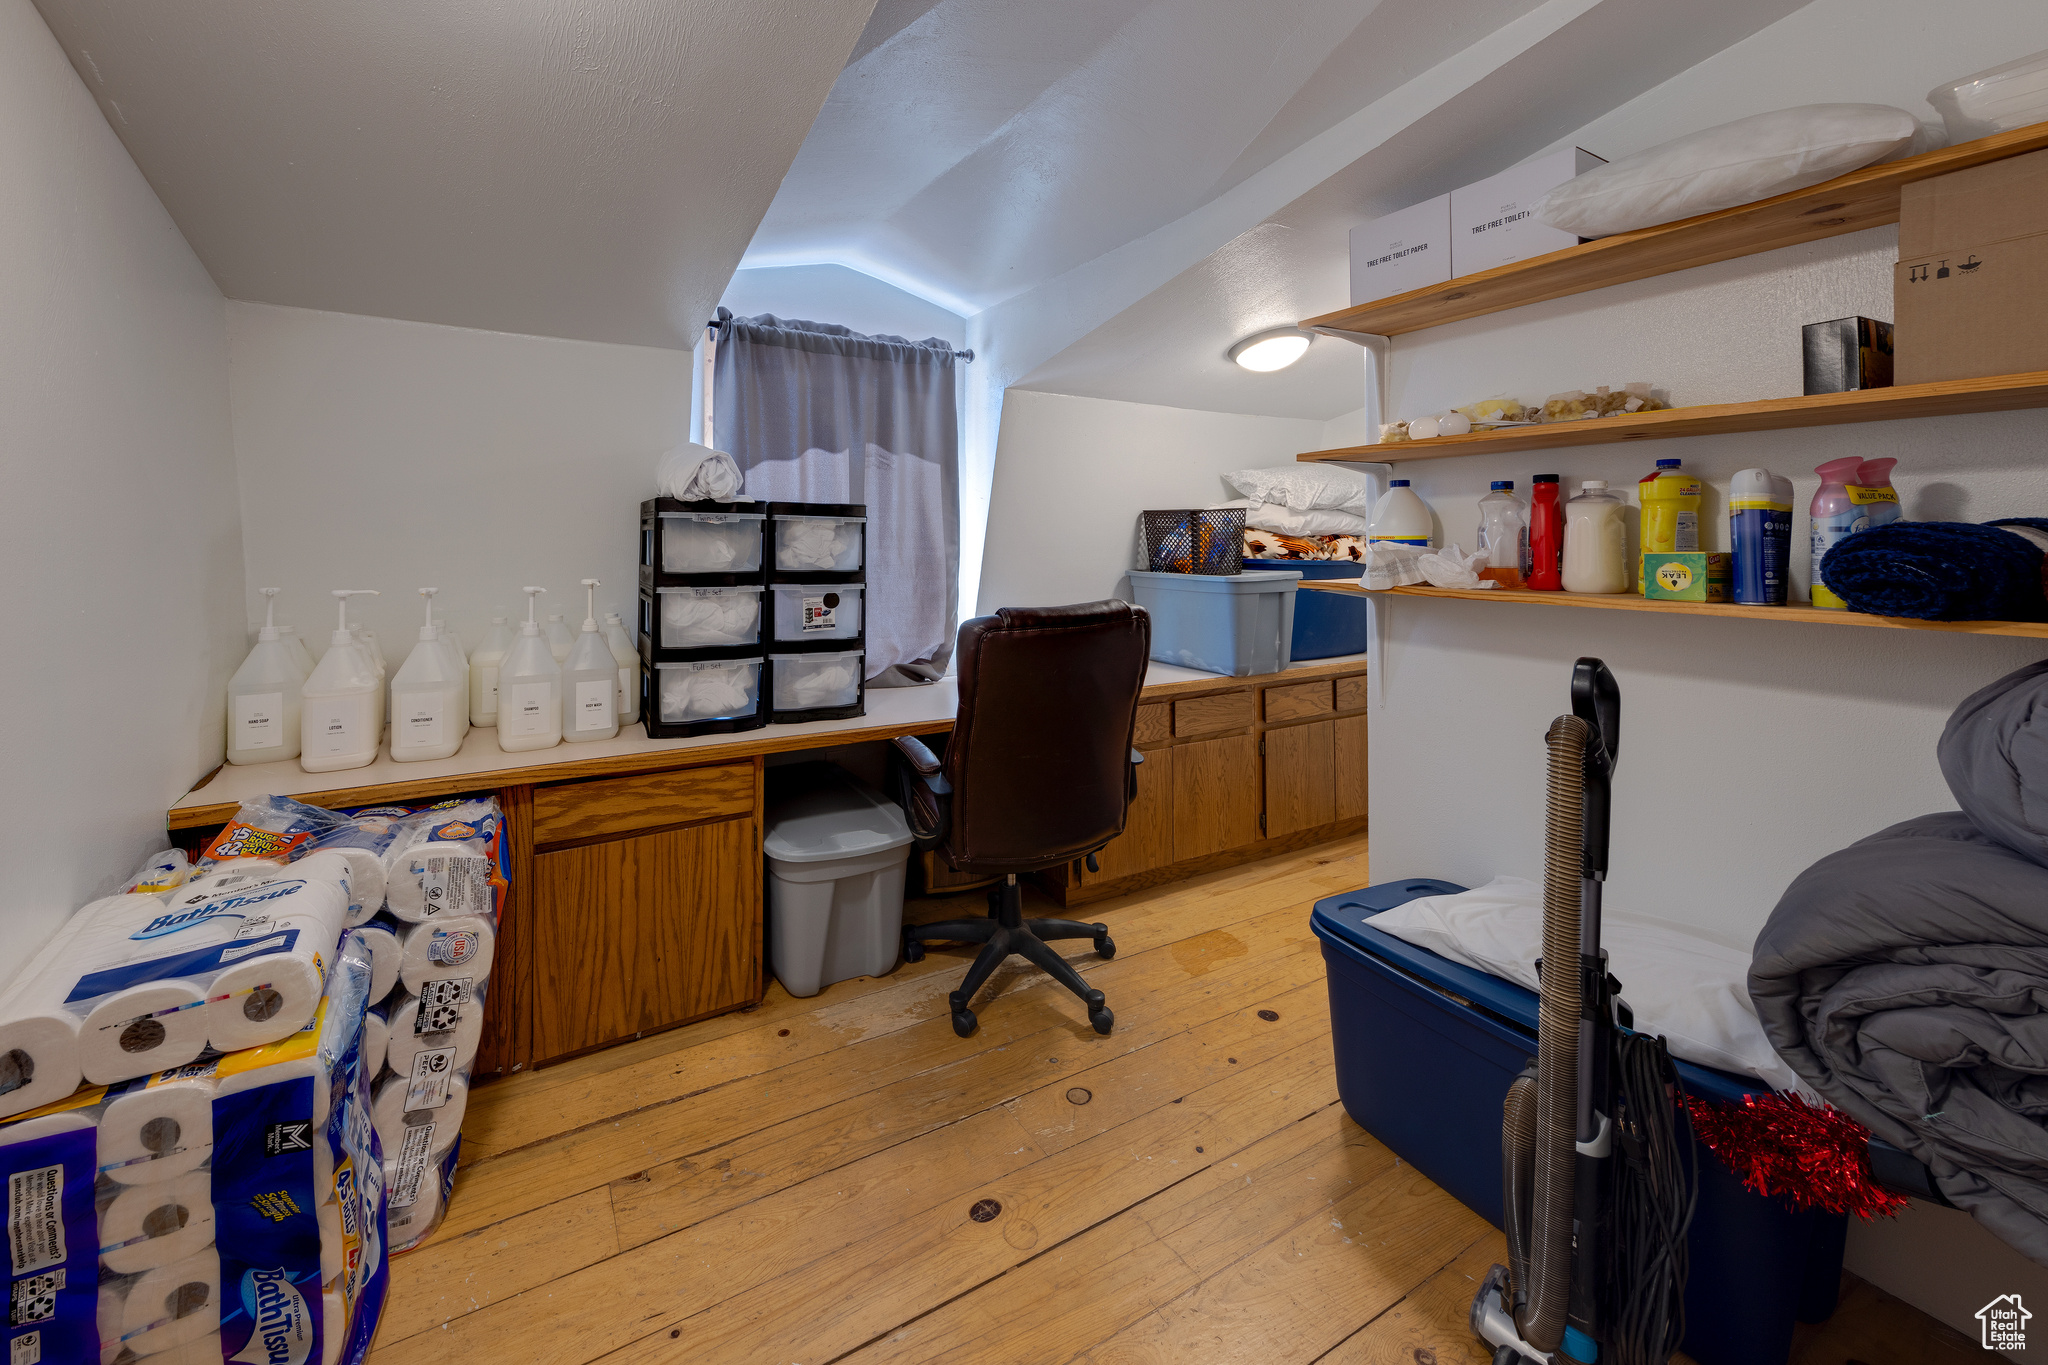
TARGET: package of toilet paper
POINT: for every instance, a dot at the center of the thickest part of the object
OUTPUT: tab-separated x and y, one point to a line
282	830
48	1168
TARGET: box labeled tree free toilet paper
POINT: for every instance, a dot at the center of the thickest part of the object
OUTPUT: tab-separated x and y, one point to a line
1409	249
1493	222
1971	285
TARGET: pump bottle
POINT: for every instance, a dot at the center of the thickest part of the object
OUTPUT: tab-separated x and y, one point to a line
590	680
560	639
483	671
529	689
340	703
628	660
427	698
263	697
458	665
289	633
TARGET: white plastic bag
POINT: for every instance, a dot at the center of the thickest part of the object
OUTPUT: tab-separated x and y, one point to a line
1451	567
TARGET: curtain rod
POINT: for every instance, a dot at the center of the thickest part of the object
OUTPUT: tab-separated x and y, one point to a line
967	355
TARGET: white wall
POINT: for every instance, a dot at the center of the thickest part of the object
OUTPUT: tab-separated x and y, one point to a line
1749	749
122	555
1071	475
397	455
837	293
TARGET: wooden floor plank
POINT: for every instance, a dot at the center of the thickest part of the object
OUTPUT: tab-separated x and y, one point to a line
449	1277
1431	1322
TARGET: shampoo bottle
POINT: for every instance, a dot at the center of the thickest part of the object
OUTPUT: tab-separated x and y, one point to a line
628	660
1835	517
427	698
483	671
263	697
1401	516
339	706
590	680
1760	530
560	640
529	689
1546	535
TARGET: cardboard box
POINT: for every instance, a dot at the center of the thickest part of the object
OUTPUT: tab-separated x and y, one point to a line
1407	250
1492	222
1970	292
1686	576
1847	353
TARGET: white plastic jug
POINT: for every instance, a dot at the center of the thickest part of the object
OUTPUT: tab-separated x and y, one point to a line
529	689
340	706
628	660
263	697
483	671
560	638
428	700
590	681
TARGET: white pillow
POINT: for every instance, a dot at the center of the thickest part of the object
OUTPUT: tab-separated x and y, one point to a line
1322	521
1690	989
1737	163
1305	487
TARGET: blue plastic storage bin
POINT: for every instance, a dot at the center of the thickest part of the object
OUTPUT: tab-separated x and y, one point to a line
1236	625
1326	624
1426	1049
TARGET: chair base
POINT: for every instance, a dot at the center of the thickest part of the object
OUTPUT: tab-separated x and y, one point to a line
1003	932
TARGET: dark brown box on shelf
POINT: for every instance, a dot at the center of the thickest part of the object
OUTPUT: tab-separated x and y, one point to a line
1970	291
1847	353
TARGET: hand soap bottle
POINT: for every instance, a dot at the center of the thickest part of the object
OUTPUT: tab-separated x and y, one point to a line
458	667
529	689
427	698
263	697
340	704
483	671
628	659
560	639
590	680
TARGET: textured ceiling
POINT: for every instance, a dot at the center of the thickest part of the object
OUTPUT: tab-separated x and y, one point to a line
576	168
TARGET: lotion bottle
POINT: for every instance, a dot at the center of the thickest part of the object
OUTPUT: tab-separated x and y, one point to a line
590	680
340	704
628	659
529	689
483	671
427	698
458	665
560	639
290	634
263	697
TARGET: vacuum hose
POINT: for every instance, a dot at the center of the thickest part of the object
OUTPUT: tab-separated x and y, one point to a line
1517	1183
1544	1295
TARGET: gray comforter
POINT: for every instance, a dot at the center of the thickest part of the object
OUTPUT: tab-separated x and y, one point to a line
1906	976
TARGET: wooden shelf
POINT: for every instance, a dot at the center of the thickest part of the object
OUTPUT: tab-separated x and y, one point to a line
1861	199
1797	613
1994	393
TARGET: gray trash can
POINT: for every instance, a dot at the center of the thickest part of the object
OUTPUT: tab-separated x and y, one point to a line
837	851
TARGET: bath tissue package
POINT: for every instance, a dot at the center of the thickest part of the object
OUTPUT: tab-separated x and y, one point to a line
283	830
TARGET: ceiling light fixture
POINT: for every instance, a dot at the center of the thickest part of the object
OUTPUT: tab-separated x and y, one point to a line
1273	349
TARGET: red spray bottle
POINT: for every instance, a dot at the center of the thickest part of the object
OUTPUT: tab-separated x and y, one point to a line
1546	535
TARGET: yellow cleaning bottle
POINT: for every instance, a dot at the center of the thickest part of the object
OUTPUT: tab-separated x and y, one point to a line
1671	512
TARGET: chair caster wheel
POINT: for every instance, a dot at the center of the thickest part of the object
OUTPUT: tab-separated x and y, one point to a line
1102	1019
964	1023
913	949
1105	946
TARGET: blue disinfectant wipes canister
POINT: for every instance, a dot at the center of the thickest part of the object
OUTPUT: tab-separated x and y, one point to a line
1760	530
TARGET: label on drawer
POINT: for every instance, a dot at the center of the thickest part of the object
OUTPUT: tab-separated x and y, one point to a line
821	613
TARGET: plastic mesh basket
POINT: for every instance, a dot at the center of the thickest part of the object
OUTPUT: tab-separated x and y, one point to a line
1193	540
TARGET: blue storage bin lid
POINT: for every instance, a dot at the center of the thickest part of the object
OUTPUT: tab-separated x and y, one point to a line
1342	919
1312	568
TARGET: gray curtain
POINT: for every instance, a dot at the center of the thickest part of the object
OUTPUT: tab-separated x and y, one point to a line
814	412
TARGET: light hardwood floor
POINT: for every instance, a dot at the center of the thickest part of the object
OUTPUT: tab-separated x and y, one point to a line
793	1185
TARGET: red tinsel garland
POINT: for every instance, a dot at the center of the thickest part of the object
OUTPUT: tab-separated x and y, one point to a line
1815	1157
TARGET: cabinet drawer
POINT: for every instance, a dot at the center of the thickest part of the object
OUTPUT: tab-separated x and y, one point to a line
623	805
1351	692
1298	701
1155	723
1212	715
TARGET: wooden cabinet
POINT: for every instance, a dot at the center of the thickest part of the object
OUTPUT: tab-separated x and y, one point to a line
1214	714
1301	777
1147	840
1350	765
1215	796
638	934
1298	701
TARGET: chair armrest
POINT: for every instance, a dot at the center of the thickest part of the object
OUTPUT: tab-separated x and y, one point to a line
923	762
918	784
1136	758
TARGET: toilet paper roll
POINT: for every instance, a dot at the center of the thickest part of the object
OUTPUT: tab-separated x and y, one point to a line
405	1224
151	1027
407	1042
438	880
222	879
365	883
447	948
332	1252
280	1073
262	998
382	941
427	1127
175	1304
157	1133
323	1166
148	1227
112	1292
333	1326
200	1350
28	1130
376	1040
39	1061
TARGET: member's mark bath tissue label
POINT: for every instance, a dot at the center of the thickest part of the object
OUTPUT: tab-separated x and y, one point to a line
35	1218
441	1004
267	1227
52	1240
456	886
287	1330
432	1078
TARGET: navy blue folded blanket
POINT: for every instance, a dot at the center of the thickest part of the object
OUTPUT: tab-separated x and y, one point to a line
1942	571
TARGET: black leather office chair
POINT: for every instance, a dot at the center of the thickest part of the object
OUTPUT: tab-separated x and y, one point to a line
1039	771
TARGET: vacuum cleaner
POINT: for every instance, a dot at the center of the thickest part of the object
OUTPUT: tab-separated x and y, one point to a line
1599	1174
